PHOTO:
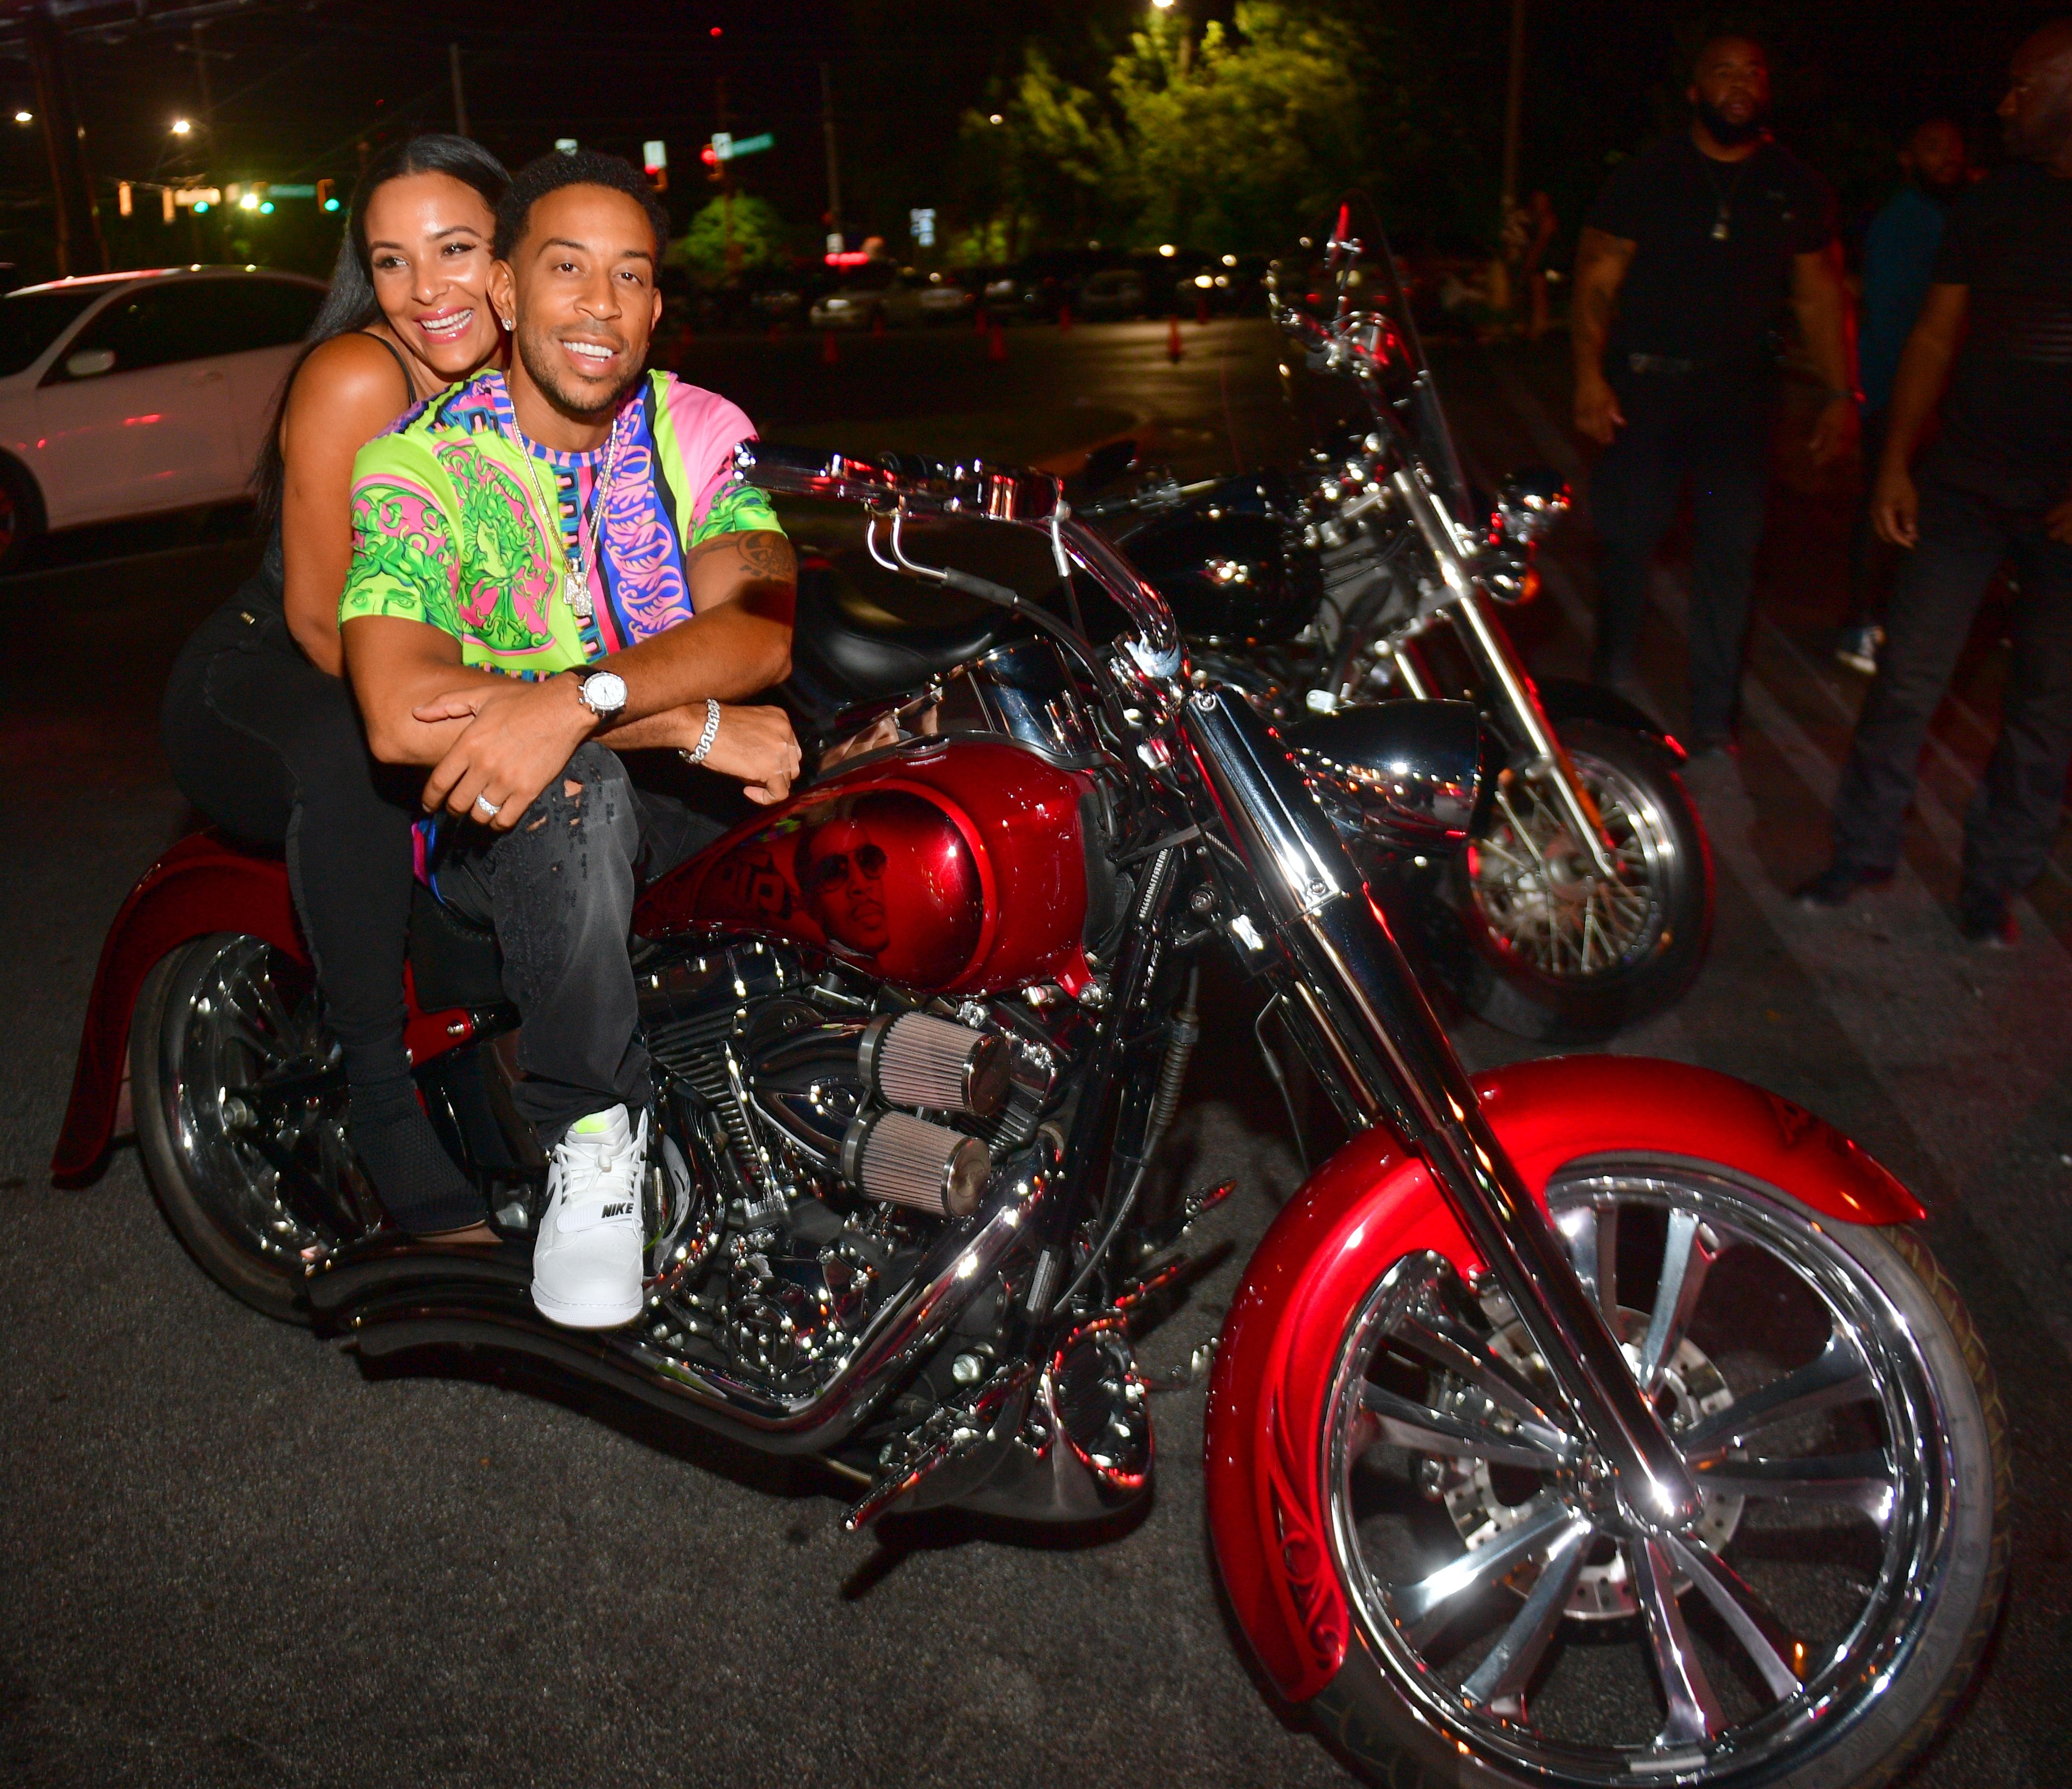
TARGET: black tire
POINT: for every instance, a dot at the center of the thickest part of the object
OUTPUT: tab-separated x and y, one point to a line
21	512
1486	941
240	1103
1867	1740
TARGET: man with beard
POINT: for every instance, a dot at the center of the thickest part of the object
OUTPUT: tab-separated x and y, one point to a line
842	874
1684	271
1994	346
1899	259
550	564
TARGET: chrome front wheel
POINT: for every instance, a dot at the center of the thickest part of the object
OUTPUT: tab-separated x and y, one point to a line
1809	1629
1555	950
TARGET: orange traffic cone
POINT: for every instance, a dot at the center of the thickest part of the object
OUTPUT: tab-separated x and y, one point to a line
830	356
1201	307
1174	351
1064	319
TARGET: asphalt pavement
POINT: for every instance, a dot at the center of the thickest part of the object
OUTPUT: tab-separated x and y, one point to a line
232	1554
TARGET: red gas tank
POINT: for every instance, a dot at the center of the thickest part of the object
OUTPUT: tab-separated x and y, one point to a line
948	865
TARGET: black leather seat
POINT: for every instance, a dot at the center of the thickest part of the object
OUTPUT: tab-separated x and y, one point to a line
837	664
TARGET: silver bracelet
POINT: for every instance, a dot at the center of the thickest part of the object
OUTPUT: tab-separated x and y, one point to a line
697	755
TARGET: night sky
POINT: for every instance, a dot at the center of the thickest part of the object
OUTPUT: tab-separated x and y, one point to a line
298	87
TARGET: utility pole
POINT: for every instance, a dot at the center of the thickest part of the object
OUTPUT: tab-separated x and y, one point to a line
202	54
835	240
459	93
1514	105
79	249
733	248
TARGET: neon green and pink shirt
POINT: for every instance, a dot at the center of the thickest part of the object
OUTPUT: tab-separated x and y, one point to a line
460	522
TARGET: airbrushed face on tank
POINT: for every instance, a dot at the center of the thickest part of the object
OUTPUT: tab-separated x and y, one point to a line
884	879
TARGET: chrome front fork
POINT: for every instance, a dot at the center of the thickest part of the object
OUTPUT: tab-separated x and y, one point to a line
1395	1066
1484	637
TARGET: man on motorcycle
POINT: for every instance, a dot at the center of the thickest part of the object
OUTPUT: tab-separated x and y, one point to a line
550	564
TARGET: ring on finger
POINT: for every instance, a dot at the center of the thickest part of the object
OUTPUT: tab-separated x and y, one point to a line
488	809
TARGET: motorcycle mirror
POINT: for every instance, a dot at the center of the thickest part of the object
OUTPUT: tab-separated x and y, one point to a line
1409	776
1528	504
1106	464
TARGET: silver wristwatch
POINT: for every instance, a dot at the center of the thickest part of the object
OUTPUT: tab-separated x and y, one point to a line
603	693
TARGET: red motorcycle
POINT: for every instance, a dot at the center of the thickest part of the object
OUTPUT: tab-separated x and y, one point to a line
1588	1422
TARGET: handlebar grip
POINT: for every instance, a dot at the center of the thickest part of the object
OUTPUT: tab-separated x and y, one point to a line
983	589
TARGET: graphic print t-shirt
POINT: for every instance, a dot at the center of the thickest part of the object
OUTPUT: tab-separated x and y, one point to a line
459	523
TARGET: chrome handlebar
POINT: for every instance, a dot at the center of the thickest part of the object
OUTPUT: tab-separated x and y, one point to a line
904	485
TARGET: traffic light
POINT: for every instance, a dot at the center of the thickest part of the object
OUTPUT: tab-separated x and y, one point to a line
325	201
655	156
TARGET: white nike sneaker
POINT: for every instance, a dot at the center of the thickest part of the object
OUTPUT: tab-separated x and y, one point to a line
587	1258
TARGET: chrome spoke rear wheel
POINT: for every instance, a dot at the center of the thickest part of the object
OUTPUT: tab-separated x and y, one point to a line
1503	1593
241	1101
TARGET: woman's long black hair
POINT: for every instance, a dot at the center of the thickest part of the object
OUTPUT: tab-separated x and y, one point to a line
351	304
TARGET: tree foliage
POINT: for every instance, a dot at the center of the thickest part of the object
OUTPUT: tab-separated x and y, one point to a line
1241	136
759	235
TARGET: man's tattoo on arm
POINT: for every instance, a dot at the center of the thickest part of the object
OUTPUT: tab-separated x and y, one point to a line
765	555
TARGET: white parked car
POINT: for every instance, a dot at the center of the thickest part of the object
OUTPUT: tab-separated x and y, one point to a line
124	394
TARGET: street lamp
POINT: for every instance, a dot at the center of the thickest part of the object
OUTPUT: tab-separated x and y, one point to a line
1163	6
25	117
181	127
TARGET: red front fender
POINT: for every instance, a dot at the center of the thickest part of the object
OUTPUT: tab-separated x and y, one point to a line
1369	1205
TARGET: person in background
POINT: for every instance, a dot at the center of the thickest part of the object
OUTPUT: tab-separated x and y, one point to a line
1685	266
1543	223
1993	345
259	724
1899	254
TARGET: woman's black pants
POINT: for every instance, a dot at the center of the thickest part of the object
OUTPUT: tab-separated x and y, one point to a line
271	749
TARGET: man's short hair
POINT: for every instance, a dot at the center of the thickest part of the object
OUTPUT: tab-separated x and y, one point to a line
1714	39
587	167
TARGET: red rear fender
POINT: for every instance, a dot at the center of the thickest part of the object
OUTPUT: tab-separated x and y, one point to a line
1369	1205
201	885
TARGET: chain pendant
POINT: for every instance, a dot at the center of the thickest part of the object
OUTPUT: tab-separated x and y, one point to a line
577	587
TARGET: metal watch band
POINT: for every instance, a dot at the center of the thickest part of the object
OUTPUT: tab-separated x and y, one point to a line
697	754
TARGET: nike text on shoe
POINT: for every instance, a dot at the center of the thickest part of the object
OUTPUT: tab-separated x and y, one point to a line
587	1262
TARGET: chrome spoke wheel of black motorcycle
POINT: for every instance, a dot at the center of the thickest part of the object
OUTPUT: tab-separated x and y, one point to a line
240	1099
1556	951
1824	1385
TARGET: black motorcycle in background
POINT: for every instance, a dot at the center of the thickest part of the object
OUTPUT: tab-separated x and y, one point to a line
1369	572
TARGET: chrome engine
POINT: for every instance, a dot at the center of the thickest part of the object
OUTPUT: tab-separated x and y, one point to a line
810	1178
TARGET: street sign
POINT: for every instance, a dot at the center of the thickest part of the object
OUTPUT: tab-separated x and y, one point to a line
291	192
727	147
922	219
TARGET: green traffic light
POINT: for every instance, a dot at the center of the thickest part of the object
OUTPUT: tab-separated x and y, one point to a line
330	204
201	205
266	207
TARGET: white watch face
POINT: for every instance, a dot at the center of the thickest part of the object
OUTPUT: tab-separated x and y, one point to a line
604	692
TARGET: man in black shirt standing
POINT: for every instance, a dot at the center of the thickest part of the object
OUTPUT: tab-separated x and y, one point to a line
1684	272
1994	344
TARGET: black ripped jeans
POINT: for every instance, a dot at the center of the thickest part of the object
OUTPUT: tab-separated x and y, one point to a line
557	889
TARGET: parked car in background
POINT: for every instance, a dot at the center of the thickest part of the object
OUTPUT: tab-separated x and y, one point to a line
902	296
126	394
1113	292
1226	283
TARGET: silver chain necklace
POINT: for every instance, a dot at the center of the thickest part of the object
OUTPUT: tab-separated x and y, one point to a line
1725	198
575	580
